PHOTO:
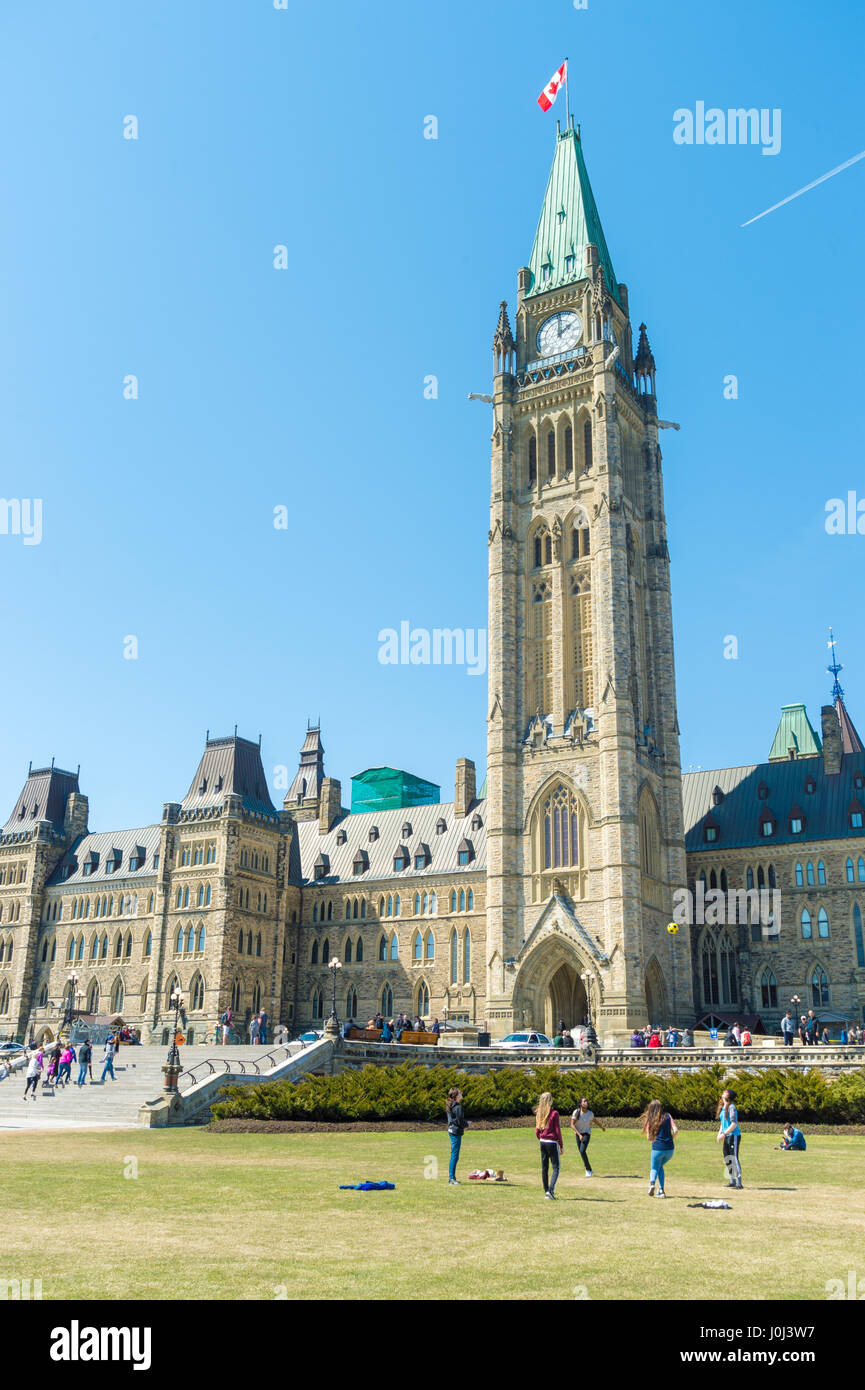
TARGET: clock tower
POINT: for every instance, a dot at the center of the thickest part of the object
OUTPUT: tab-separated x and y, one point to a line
584	808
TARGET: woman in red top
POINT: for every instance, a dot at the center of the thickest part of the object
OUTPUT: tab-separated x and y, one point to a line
654	1040
549	1132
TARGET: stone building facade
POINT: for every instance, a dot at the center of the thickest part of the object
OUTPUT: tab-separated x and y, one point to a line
548	892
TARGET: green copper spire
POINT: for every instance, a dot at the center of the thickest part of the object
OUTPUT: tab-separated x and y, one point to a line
569	222
794	731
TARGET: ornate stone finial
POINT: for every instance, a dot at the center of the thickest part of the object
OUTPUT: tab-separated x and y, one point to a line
644	361
503	335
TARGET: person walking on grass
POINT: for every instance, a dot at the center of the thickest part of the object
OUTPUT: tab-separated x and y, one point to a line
34	1073
456	1127
581	1123
660	1129
730	1135
548	1131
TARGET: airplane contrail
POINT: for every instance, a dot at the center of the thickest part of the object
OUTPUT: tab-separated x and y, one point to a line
806	189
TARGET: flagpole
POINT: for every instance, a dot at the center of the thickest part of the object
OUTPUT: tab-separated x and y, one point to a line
567	93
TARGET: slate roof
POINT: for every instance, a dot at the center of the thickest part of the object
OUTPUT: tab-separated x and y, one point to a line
310	773
442	848
557	236
43	797
229	765
826	809
101	844
850	740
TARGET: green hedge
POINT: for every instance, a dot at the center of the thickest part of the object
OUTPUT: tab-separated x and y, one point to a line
410	1092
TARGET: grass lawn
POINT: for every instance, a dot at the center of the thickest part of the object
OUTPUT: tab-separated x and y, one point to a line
249	1216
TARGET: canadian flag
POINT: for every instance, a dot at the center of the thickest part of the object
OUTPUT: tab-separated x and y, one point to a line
553	87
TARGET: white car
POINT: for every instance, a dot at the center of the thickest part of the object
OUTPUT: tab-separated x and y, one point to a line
525	1040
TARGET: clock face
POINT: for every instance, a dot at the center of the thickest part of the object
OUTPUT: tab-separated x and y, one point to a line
560	333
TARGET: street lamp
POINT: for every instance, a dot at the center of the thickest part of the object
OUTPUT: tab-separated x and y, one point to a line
589	978
795	1001
171	1068
69	1014
332	1025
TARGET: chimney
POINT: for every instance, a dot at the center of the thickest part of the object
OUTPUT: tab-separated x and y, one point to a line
329	804
464	790
75	817
831	740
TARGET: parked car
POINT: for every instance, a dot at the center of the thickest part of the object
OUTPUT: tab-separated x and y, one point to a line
11	1049
310	1037
525	1040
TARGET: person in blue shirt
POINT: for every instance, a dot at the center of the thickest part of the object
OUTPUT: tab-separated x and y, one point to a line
730	1135
793	1138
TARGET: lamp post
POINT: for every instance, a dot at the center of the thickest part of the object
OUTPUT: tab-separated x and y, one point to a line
69	1014
171	1068
589	978
331	1027
795	1001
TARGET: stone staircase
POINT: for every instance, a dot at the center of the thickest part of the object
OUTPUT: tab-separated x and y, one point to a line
138	1072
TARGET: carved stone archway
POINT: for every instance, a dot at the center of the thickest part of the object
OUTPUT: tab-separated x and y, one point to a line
548	987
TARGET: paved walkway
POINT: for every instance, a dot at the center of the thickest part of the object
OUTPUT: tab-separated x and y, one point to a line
108	1104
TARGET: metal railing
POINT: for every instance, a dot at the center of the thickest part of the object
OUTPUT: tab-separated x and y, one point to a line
191	1076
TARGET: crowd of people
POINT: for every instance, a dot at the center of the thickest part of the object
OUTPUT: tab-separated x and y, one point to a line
392	1029
657	1125
662	1037
811	1033
53	1067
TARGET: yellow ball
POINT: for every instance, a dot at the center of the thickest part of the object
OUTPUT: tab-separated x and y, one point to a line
672	928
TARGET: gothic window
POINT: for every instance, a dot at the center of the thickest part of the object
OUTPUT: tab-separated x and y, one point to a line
4	998
557	831
256	997
569	449
347	910
358	955
235	997
418	946
433	904
799	879
105	947
454	954
749	879
394	947
821	872
809	874
240	942
768	990
148	944
128	951
396	906
467	956
196	993
533	461
650	839
857	934
453	900
823	923
581	637
462	900
430	946
710	972
382	948
249	943
363	909
93	998
317	1004
539	662
819	987
422	1000
325	951
387	1001
806	924
723	880
713	879
860	869
351	1002
346	953
580	543
313	958
117	997
470	900
417	904
178	945
551	454
190	938
587	443
728	971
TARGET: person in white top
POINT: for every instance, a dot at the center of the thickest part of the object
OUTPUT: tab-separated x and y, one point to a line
581	1123
34	1073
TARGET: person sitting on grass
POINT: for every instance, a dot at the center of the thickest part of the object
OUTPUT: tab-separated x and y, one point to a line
792	1138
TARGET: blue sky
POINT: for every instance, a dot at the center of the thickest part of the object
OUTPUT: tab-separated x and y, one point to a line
304	387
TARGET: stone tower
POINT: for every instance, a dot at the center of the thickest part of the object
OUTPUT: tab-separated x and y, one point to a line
584	804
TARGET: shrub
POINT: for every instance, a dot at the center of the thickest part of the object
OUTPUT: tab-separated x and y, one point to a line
410	1092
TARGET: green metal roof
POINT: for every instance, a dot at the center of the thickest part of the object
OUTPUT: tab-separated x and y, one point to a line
794	731
386	788
569	222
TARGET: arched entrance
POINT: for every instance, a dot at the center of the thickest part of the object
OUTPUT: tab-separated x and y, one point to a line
548	987
656	996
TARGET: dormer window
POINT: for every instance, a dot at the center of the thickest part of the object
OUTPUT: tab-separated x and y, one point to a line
203	788
465	853
341	837
422	857
373	832
401	859
137	858
321	867
795	825
477	823
767	825
810	786
717	796
710	834
859	781
441	827
219	785
112	863
570	263
546	271
361	862
855	815
763	792
406	830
